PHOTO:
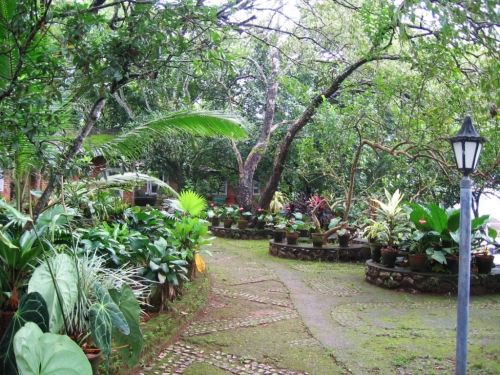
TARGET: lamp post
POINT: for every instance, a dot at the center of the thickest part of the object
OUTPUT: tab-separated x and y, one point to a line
467	145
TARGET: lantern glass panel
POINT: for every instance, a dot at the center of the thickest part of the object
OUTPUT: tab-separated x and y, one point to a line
470	152
457	149
479	148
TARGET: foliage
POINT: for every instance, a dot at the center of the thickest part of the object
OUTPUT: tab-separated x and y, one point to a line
131	344
190	203
32	308
395	218
150	222
278	202
56	280
39	353
104	316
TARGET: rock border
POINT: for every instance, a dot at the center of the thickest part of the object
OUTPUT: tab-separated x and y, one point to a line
404	279
327	253
241	234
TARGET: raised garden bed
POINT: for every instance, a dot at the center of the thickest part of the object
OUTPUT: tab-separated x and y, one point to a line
241	234
328	253
406	280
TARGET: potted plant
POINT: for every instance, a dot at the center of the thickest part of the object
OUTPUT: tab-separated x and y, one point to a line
376	234
214	214
343	237
292	234
228	216
279	230
397	226
420	242
244	218
484	261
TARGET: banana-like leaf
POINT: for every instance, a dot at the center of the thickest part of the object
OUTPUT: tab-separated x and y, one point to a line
131	310
15	216
104	316
32	308
199	123
39	353
65	277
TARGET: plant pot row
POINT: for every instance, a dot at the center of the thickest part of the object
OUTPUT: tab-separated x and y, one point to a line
419	262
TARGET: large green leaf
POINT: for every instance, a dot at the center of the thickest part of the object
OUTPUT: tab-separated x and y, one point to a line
129	306
39	353
478	222
104	316
32	308
65	277
438	218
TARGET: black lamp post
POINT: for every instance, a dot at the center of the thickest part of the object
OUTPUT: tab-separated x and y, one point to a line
467	145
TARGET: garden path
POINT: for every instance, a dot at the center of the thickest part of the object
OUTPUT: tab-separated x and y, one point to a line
275	316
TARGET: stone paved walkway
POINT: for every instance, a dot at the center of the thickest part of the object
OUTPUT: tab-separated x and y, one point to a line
276	316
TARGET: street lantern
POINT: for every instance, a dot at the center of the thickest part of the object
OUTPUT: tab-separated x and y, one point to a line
467	145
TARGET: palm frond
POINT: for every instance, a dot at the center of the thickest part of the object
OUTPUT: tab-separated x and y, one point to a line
197	123
190	203
132	177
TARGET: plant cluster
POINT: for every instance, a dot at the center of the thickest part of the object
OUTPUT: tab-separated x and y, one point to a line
87	285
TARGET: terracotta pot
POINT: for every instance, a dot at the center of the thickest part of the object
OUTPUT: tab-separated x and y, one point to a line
94	357
291	238
418	262
388	256
228	223
215	221
375	251
242	224
317	239
279	235
484	263
344	240
261	224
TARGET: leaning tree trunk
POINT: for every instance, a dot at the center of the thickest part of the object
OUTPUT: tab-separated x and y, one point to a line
305	117
247	168
56	174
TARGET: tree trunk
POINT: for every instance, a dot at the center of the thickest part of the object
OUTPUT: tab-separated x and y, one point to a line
248	167
305	117
56	174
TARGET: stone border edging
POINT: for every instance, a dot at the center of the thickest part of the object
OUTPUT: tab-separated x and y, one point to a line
241	234
328	253
406	280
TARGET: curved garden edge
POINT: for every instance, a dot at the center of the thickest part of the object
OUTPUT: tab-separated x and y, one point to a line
165	328
408	281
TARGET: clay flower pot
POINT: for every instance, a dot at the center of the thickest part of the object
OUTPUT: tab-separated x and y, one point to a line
418	262
242	224
228	223
291	238
344	240
484	263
